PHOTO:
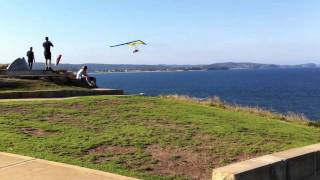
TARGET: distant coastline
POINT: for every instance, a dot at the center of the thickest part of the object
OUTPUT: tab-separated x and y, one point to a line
137	71
112	68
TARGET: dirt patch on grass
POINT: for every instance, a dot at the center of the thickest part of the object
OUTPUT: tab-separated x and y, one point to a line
110	152
168	124
245	156
109	102
71	106
173	161
36	132
74	121
60	117
81	106
14	110
78	106
112	149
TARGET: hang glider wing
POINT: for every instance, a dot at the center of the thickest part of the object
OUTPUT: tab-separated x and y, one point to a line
132	43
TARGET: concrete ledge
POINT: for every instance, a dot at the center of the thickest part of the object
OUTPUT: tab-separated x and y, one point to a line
58	93
16	167
295	164
31	73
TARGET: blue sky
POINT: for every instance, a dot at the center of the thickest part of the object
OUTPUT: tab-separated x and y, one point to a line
177	31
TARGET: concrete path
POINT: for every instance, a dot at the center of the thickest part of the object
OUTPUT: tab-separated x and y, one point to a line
16	167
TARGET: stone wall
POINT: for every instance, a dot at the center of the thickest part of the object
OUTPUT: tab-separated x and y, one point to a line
58	93
295	164
57	77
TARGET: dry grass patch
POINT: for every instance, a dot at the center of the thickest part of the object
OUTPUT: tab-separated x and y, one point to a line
217	102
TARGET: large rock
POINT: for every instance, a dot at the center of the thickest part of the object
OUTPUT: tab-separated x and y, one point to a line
19	64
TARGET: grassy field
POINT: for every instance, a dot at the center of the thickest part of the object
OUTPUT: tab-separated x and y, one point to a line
11	84
144	137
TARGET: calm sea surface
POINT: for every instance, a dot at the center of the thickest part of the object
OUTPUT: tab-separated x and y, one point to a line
282	90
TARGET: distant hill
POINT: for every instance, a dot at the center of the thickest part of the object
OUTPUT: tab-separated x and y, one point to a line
215	66
233	65
245	65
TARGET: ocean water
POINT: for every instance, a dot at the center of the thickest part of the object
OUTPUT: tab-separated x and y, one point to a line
280	90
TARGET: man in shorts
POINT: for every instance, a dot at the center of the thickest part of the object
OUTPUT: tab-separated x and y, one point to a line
31	58
47	53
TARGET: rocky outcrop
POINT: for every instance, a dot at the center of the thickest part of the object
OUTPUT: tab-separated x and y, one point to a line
19	64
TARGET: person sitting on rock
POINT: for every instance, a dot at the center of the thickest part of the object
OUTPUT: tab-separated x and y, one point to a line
82	74
31	58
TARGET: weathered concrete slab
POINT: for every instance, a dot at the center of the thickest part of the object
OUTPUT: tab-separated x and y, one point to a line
37	169
31	73
243	171
58	93
302	163
295	164
8	160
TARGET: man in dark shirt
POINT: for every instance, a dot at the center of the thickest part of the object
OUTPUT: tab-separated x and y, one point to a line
47	53
31	58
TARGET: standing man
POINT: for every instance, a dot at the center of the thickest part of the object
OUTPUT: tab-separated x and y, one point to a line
47	53
31	58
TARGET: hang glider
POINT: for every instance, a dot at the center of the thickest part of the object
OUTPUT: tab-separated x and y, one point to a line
134	44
